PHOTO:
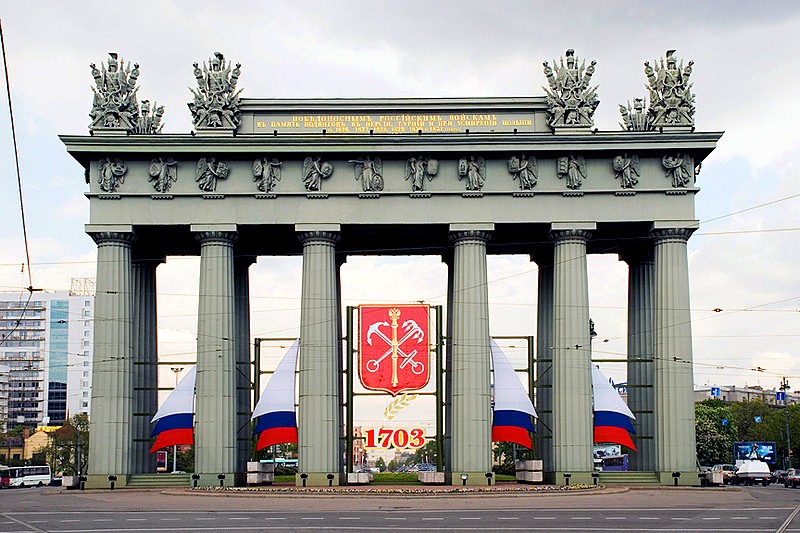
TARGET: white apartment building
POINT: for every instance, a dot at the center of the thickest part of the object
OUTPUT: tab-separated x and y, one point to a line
46	345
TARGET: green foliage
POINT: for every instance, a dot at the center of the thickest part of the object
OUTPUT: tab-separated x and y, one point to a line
380	464
504	455
186	459
392	467
714	440
67	443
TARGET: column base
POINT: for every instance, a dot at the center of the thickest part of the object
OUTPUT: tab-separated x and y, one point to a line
232	479
474	479
100	481
687	479
576	478
318	479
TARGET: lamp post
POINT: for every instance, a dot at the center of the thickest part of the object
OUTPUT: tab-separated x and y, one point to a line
785	389
177	370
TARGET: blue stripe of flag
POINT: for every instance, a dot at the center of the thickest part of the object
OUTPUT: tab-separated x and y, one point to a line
276	419
513	418
177	421
612	418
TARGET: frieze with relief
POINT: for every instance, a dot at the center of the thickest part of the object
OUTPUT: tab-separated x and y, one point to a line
369	172
209	170
473	170
524	169
572	169
111	173
163	173
680	168
314	171
418	169
266	173
626	170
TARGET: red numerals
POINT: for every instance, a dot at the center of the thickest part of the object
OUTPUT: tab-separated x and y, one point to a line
394	438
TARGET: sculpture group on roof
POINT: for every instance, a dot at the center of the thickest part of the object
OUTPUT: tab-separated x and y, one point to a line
571	102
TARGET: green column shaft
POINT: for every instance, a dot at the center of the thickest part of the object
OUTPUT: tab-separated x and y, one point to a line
112	372
471	358
215	417
241	267
145	369
572	384
319	424
544	360
641	370
674	405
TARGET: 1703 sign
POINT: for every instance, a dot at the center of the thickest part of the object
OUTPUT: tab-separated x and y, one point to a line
394	347
394	438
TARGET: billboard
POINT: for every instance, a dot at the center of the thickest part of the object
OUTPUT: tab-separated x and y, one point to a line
763	451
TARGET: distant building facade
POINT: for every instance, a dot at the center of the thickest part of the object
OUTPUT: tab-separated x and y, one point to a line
732	393
46	347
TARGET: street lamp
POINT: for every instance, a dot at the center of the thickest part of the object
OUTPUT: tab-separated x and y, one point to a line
177	370
785	389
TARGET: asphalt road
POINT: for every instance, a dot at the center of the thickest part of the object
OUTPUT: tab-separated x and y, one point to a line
729	509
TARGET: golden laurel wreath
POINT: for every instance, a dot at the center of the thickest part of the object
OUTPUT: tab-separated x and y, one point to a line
396	405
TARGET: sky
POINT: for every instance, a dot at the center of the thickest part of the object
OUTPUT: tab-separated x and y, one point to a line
743	260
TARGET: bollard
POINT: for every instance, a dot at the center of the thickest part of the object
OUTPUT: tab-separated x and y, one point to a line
111	479
703	479
330	480
221	478
82	482
464	478
567	475
595	477
488	478
195	480
675	476
304	477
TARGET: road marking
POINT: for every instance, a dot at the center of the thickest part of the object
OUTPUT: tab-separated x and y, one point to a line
788	520
69	520
170	519
394	518
616	518
349	518
238	518
441	518
23	523
135	519
102	520
312	518
469	518
544	517
767	517
582	517
502	518
738	518
649	518
205	518
710	518
678	518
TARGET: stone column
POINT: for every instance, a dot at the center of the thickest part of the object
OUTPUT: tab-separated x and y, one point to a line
112	372
319	421
674	395
215	400
447	258
244	378
471	439
641	280
544	359
572	378
145	363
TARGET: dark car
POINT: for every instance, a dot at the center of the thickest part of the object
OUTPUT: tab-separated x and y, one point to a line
792	478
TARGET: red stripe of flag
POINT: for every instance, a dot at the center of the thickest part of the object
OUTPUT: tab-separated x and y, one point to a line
276	436
172	437
613	434
514	434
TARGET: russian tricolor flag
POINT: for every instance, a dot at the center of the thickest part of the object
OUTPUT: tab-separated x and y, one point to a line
513	408
612	418
175	419
277	422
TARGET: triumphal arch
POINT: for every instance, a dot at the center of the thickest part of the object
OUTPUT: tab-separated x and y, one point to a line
456	177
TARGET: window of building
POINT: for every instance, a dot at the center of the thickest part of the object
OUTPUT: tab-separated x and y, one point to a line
86	363
84	384
85	343
86	312
85	394
86	373
84	404
87	303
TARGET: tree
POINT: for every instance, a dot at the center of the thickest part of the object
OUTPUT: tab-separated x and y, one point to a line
69	446
714	439
380	464
392	466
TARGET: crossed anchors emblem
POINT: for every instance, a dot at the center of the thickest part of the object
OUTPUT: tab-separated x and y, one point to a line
412	331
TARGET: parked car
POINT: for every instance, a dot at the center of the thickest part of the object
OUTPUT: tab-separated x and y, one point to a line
750	472
721	474
792	478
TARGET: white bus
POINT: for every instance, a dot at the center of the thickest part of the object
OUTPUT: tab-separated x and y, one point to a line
29	476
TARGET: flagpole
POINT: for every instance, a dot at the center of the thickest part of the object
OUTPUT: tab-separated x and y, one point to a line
177	371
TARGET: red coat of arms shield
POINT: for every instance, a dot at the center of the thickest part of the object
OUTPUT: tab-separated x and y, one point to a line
394	347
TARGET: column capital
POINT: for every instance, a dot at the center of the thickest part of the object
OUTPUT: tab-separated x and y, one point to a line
318	237
216	237
113	237
662	235
459	237
567	235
